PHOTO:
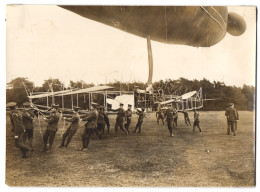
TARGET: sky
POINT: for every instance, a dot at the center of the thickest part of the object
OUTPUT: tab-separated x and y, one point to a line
46	41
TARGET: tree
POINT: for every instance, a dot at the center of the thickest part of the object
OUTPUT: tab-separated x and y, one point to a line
17	90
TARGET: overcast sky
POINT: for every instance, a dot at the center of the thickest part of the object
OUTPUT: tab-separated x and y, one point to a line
48	41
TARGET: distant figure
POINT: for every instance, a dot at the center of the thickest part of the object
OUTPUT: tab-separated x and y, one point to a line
170	113
196	120
140	120
90	126
52	127
186	118
128	117
101	121
120	119
28	116
159	115
18	129
232	117
175	118
72	129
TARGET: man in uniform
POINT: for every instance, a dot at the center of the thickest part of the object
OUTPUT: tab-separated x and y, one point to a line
232	117
52	127
90	126
120	119
140	120
101	121
18	128
128	117
196	121
159	115
72	129
28	116
170	119
186	118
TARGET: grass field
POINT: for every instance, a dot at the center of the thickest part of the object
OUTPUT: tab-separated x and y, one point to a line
151	158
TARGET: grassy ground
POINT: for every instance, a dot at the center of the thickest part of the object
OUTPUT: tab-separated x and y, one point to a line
151	158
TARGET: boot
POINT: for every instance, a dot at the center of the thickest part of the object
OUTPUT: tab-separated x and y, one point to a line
50	146
61	145
44	148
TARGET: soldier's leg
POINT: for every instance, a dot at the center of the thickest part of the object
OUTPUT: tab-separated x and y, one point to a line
189	121
51	138
136	127
30	138
83	138
162	121
228	127
89	133
71	134
199	127
45	140
140	127
116	129
18	145
194	125
123	129
175	122
235	127
64	136
158	120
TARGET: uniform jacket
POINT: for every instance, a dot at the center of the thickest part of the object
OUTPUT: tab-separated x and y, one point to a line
17	122
74	121
159	114
92	119
171	113
196	117
28	116
120	115
128	114
232	114
53	120
102	117
141	116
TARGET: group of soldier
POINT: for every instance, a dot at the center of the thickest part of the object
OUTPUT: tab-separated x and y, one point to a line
97	119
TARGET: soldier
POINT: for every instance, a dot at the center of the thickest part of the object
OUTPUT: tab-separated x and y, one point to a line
28	116
101	121
159	115
120	119
72	129
18	129
140	120
175	118
186	118
196	121
90	126
170	113
232	117
128	117
52	127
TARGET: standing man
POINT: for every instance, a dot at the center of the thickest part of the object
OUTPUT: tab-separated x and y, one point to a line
90	126
18	128
186	118
52	127
140	120
101	121
232	117
72	129
128	117
196	120
175	117
120	119
170	118
28	116
159	115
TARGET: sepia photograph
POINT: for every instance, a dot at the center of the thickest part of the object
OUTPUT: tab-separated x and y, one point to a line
130	96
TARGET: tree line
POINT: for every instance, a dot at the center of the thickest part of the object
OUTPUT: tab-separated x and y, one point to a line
242	97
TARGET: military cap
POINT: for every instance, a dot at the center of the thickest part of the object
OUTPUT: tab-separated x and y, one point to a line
76	108
231	104
121	104
26	104
129	105
55	105
143	109
11	104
